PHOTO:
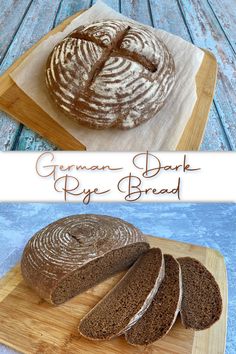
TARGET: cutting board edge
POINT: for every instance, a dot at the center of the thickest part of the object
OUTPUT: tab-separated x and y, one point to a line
191	141
63	139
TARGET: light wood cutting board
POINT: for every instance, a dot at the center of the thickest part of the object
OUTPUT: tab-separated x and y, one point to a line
30	325
20	106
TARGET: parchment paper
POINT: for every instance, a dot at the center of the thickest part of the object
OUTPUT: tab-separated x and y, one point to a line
163	132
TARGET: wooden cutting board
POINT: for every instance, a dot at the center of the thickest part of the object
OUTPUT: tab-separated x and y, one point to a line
20	106
30	325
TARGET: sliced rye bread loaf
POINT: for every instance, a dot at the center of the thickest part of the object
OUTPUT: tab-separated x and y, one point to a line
77	252
201	302
161	314
123	306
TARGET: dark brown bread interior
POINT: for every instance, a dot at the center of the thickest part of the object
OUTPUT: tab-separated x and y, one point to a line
201	303
114	313
96	271
162	313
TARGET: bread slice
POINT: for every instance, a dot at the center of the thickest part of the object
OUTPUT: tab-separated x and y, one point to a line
161	314
122	307
75	253
201	303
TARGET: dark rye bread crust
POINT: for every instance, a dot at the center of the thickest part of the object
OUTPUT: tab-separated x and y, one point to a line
77	252
110	74
201	303
122	307
161	314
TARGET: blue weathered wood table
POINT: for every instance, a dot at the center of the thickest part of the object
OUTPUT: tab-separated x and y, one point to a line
209	24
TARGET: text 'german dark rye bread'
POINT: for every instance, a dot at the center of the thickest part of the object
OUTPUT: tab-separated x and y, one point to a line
162	313
123	306
110	74
201	303
75	253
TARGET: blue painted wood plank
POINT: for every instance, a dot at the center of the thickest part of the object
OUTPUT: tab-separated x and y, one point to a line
225	12
10	21
9	128
28	140
69	8
214	138
167	16
36	23
114	4
207	33
138	10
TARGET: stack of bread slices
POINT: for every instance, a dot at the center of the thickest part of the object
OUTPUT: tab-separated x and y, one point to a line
145	303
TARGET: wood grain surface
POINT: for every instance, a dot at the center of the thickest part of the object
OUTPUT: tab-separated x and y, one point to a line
205	82
30	325
203	21
169	16
209	24
14	102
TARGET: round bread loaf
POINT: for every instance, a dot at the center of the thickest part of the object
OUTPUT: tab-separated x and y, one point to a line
75	253
110	74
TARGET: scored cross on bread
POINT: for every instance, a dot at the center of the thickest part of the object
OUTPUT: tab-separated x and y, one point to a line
110	74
